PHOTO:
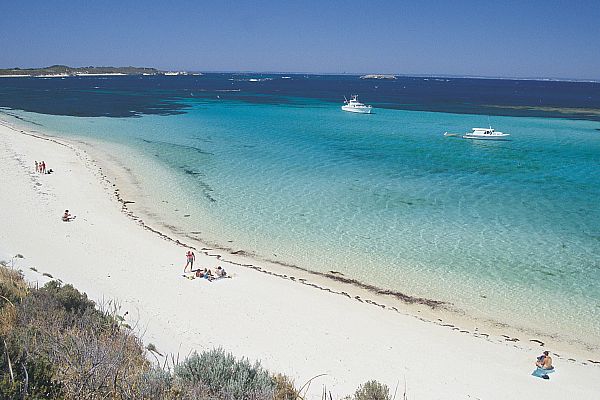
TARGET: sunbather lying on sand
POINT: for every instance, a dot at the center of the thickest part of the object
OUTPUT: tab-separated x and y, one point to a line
206	274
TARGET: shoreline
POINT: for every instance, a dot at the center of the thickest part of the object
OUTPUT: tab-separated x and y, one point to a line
416	313
129	193
439	312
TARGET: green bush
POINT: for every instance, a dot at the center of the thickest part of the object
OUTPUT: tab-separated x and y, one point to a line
224	376
90	354
69	297
372	390
37	382
155	383
60	346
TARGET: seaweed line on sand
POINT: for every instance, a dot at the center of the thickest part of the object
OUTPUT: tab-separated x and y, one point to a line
332	275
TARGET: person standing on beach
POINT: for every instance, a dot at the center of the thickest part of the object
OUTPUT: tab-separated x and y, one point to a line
37	167
43	168
191	257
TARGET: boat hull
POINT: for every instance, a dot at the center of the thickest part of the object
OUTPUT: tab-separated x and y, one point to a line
365	110
488	137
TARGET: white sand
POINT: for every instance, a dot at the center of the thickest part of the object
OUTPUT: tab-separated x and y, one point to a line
292	328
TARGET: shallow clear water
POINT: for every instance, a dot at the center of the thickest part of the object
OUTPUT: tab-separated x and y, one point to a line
508	230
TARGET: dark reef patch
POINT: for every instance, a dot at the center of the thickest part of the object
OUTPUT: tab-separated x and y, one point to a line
134	96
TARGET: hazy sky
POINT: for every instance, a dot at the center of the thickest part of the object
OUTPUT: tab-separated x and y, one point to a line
514	39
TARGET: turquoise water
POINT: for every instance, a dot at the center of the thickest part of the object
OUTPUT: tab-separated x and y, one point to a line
506	230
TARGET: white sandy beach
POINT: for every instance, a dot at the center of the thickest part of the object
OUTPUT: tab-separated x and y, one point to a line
290	327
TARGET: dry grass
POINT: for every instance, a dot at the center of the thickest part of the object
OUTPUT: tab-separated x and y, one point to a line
92	355
57	344
12	286
285	388
12	290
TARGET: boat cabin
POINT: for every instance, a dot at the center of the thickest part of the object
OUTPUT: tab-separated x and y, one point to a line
483	131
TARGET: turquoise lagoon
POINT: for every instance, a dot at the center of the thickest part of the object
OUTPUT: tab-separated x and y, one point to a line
506	230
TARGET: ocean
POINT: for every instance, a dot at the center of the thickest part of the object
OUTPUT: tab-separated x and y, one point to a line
268	164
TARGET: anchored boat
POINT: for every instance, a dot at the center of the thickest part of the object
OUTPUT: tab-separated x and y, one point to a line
485	134
481	134
355	106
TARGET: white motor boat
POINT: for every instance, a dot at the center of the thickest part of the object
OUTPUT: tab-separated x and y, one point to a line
485	134
355	106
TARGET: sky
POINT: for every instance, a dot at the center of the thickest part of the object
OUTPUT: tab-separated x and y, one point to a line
532	38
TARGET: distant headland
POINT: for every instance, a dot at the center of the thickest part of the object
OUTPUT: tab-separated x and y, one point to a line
378	76
63	71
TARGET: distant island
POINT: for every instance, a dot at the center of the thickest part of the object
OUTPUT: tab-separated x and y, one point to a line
63	70
378	76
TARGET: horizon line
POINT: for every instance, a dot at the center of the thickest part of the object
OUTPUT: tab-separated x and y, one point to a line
415	75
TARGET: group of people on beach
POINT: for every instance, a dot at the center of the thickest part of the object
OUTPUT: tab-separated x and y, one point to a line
202	273
40	167
543	362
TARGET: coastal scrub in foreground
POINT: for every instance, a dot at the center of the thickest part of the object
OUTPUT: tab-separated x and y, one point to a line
57	344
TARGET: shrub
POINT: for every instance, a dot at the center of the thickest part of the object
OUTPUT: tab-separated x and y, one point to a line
220	374
69	297
55	344
90	354
155	383
110	361
8	319
13	289
372	390
32	377
284	388
12	286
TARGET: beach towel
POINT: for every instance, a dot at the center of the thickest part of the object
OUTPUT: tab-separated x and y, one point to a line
540	372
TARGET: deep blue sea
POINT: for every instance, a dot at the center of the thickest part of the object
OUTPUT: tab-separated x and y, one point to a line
269	164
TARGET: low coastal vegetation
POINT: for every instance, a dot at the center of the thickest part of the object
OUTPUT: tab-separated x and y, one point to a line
58	344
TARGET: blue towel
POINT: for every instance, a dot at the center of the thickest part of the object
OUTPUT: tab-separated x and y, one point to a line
539	372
